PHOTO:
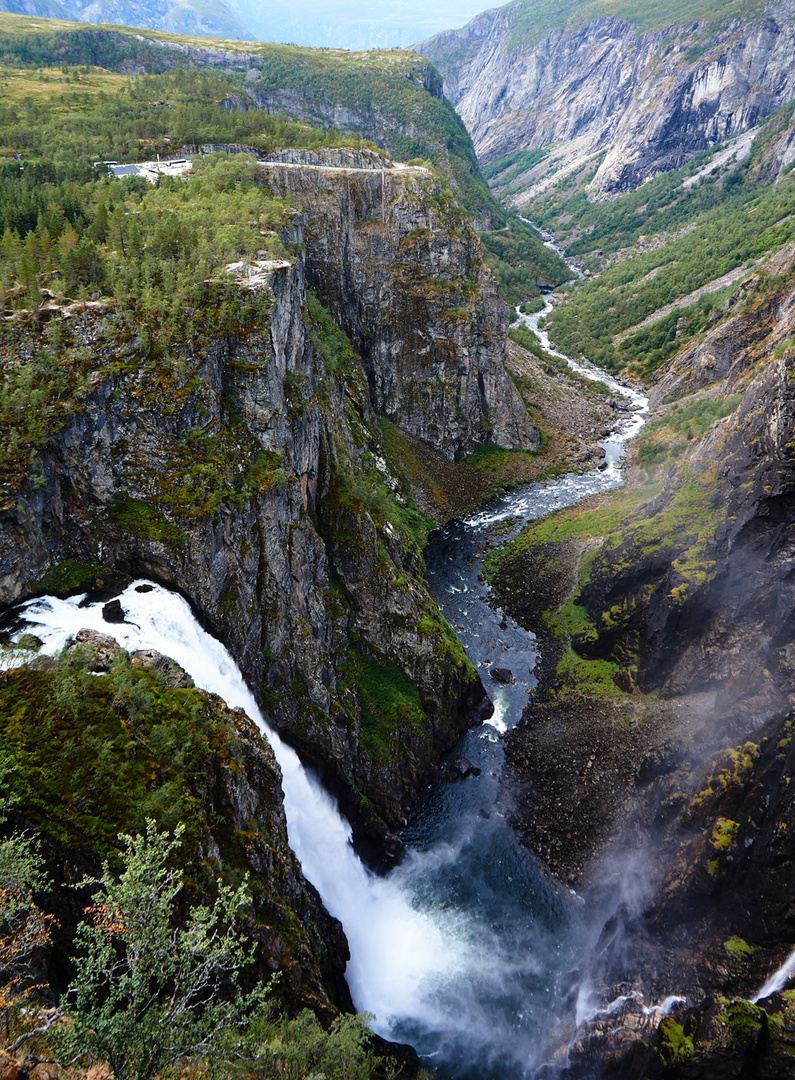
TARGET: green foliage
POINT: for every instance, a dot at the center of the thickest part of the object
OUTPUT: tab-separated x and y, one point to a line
728	225
74	575
24	929
296	1049
503	170
97	754
738	948
389	700
668	435
328	339
141	519
147	994
520	260
535	19
675	1044
35	396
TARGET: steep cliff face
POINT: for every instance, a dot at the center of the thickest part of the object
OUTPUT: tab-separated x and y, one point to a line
401	268
648	101
248	472
697	585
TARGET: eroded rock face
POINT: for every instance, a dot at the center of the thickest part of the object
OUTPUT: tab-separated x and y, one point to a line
277	536
699	584
649	100
401	268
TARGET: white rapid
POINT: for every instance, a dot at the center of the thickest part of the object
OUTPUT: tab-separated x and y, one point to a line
396	950
638	402
466	949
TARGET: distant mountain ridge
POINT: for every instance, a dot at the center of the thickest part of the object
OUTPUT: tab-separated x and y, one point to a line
348	24
215	18
646	90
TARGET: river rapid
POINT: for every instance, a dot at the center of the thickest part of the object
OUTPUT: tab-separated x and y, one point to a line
467	950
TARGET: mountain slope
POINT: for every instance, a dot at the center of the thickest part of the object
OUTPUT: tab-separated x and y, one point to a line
647	92
210	18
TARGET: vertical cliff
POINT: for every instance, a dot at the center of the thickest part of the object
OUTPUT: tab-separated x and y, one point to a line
247	470
400	266
644	89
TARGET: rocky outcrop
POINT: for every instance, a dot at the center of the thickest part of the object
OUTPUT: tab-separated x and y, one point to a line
401	268
723	357
173	754
647	100
248	472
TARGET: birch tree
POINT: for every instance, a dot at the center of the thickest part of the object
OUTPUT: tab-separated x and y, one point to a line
148	993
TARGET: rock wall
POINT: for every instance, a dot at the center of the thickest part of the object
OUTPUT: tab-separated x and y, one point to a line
278	529
649	101
699	582
401	268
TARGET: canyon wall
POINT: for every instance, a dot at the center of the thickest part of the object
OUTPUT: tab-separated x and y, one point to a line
250	471
646	101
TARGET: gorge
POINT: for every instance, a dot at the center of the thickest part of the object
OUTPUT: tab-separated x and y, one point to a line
524	790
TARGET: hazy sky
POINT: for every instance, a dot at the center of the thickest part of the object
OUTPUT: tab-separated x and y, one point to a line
354	24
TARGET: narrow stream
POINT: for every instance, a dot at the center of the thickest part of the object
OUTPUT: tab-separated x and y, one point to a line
466	949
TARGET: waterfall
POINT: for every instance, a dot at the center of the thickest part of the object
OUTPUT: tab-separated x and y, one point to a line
429	968
777	981
395	949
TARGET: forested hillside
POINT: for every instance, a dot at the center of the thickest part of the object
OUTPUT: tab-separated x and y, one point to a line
390	97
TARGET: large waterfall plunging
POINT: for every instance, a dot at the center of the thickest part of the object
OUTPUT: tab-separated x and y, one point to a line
465	949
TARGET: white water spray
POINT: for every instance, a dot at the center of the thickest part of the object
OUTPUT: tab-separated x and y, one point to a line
777	981
398	953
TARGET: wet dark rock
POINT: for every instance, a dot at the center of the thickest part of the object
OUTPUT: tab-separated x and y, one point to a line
394	848
460	768
502	675
658	762
113	612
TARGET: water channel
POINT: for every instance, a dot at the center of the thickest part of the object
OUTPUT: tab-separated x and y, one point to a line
466	950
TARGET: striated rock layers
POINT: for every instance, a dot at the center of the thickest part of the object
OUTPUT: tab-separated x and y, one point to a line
249	471
401	268
647	100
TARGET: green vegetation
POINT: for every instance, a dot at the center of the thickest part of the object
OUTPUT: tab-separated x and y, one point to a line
157	987
147	996
502	171
93	756
74	575
327	338
675	1044
591	519
389	701
669	434
519	260
71	107
716	227
737	948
